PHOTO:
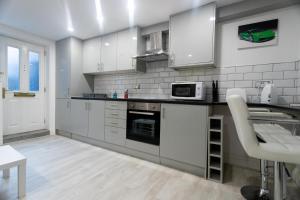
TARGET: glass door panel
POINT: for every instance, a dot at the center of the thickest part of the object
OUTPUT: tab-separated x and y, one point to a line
13	68
34	75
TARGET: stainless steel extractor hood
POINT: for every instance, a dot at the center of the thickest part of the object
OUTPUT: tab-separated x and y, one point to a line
155	47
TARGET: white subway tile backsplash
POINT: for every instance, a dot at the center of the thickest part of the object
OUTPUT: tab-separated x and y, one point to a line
284	66
284	83
272	75
290	75
244	69
243	84
157	81
263	68
235	77
253	76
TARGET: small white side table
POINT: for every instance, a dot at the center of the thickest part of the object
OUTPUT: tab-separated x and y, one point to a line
9	158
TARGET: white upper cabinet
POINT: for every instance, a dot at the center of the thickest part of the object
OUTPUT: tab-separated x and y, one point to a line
70	80
91	55
127	48
192	37
109	53
113	52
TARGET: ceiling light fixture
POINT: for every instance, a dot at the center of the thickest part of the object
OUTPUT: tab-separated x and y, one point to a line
100	17
70	26
131	8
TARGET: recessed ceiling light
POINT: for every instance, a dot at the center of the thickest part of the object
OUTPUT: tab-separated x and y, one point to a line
106	44
212	18
100	17
131	8
134	38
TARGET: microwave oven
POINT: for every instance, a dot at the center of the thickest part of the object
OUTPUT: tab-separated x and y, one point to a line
188	90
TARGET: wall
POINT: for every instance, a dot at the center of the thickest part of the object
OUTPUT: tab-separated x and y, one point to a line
286	51
50	67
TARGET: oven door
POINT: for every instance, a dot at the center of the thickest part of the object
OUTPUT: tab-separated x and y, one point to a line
143	126
184	90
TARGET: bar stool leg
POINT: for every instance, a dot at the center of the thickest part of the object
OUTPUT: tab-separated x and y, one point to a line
278	188
264	192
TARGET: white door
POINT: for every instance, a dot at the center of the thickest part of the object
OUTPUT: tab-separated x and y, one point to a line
23	81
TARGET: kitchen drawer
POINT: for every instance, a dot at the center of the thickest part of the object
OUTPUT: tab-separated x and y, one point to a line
115	135
116	114
118	123
115	105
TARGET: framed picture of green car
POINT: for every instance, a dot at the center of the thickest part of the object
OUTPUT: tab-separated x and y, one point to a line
258	34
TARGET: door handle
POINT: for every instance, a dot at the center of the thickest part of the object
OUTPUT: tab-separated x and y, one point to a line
3	93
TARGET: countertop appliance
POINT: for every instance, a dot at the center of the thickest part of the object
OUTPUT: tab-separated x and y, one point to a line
269	95
143	122
188	90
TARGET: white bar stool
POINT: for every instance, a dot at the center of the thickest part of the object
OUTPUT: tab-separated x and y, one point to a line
282	148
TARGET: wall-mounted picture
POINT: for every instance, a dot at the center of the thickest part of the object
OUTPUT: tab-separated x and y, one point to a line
258	34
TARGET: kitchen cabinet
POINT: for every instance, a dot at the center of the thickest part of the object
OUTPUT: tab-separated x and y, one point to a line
96	119
63	109
183	135
113	52
109	53
79	117
115	122
91	55
70	80
192	37
127	47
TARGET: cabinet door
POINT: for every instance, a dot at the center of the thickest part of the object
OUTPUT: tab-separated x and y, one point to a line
183	133
79	117
192	36
126	49
63	114
109	53
62	68
96	120
91	55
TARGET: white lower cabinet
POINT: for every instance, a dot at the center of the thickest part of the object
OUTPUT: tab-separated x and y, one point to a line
63	109
115	122
183	135
115	135
79	117
96	119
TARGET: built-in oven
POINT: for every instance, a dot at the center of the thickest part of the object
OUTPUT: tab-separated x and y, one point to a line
143	122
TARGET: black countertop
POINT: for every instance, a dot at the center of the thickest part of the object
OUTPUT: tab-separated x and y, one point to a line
187	102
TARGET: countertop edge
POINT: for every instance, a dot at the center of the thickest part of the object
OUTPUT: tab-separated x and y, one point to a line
186	102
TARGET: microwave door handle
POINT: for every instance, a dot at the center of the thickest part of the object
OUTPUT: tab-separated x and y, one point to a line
141	113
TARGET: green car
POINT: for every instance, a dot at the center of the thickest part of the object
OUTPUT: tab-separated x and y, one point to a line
257	36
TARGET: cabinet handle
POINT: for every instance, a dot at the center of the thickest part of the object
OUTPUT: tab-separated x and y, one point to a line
163	113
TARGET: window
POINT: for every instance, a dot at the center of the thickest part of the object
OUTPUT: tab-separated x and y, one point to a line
34	65
13	68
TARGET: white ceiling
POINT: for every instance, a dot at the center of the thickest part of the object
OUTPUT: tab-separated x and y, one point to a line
48	18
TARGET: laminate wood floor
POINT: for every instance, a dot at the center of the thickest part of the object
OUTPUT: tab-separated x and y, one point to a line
59	168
